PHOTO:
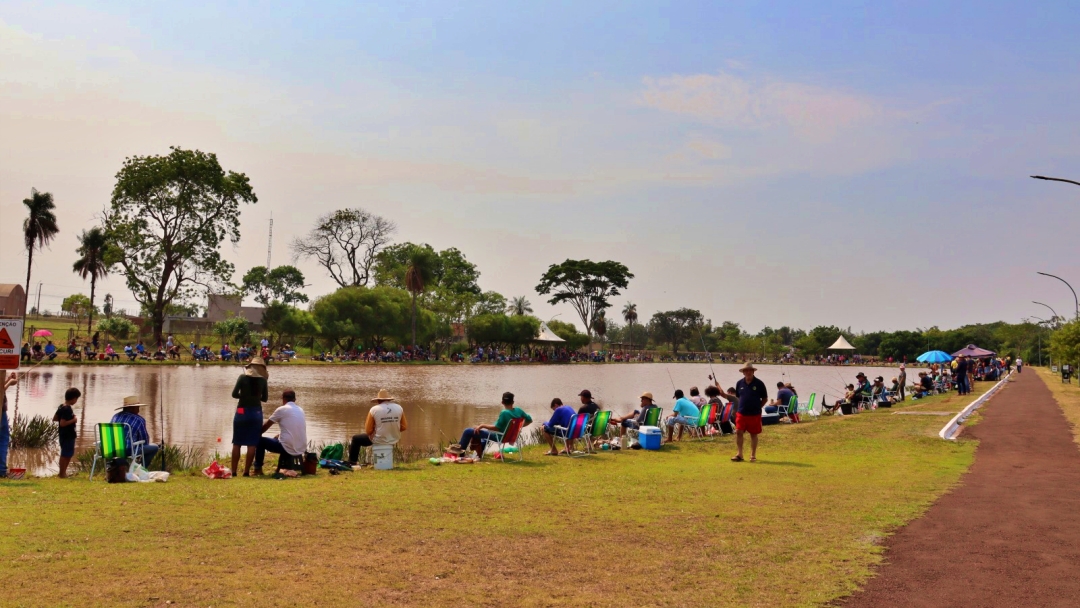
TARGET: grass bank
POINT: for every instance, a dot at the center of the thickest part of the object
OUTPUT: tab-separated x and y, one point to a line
683	526
1066	395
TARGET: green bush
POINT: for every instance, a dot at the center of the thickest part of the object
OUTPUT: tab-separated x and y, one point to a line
36	432
117	327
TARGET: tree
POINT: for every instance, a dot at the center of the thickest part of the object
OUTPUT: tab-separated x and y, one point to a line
168	217
452	292
575	340
674	326
283	322
629	314
117	327
419	272
281	284
489	303
353	315
95	258
346	243
519	306
78	306
39	228
1065	344
502	329
234	329
107	309
600	325
586	285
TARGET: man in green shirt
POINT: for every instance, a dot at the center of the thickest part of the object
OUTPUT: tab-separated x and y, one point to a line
482	432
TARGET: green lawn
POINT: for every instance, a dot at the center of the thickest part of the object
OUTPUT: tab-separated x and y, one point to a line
683	526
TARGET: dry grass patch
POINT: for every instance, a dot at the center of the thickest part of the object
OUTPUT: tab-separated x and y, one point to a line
1066	395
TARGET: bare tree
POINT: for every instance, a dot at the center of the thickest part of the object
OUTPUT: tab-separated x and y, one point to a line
345	243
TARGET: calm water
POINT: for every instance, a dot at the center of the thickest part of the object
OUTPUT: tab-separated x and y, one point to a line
439	401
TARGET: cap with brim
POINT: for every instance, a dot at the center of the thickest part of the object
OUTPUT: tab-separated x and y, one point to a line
384	395
585	393
132	402
647	395
879	379
860	375
749	367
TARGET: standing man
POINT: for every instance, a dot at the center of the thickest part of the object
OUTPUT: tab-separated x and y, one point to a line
752	396
129	415
384	425
1019	365
5	431
963	382
292	439
902	379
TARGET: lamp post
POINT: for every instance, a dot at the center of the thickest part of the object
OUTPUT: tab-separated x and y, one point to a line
1048	306
1055	179
1076	300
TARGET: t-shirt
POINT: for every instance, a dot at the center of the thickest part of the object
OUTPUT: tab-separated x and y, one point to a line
962	367
385	422
64	412
784	396
927	382
509	414
137	424
644	414
293	435
686	408
699	401
751	395
561	416
589	408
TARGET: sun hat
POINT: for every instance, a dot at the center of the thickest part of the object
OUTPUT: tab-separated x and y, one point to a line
384	395
257	367
647	395
748	367
860	375
132	401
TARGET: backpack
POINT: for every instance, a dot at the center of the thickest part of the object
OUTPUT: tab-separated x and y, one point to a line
334	451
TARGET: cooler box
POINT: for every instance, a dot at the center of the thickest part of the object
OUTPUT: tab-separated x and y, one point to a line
649	436
383	455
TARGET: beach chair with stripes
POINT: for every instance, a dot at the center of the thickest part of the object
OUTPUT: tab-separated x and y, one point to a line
570	434
598	428
652	418
702	425
114	441
808	408
508	441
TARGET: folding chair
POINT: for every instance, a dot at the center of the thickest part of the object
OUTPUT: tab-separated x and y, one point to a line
698	430
570	434
814	413
114	441
511	436
598	428
652	418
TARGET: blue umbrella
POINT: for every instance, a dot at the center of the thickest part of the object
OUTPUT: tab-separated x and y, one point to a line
934	356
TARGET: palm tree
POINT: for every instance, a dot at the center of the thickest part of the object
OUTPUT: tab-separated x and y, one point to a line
629	314
91	263
419	271
39	228
519	306
600	325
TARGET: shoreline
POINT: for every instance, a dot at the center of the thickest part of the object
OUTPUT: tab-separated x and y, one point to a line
312	362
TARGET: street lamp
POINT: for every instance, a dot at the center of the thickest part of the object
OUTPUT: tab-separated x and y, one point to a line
1076	300
1056	179
1048	306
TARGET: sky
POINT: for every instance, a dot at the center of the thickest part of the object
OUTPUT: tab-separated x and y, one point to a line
859	164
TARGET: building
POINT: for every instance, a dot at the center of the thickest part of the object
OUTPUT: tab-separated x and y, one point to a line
220	307
12	300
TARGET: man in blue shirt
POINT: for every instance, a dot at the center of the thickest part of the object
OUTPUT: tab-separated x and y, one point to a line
685	414
129	415
560	417
752	396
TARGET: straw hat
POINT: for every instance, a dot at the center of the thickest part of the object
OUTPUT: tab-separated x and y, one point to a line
132	401
647	395
384	395
748	367
257	367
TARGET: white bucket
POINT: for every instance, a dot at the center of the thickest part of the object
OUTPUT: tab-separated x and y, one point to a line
383	455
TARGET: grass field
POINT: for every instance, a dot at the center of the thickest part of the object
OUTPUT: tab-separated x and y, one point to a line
1066	395
683	526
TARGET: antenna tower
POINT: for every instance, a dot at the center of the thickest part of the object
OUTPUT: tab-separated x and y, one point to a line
270	242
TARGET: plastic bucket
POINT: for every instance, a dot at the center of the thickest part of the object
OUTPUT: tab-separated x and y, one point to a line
16	473
383	455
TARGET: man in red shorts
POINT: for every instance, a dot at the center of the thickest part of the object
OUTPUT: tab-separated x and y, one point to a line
752	396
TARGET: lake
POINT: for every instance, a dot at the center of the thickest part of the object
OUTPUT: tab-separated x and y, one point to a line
439	400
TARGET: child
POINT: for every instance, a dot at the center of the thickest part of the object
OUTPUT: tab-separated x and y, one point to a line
66	419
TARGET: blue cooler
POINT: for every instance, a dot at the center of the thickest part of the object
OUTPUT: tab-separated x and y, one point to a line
649	436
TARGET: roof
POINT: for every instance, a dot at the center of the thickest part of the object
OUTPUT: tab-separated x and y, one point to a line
974	351
546	335
7	288
841	344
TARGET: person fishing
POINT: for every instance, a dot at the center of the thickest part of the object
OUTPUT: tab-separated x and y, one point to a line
251	391
752	395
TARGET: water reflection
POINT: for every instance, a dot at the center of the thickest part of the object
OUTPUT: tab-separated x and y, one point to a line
438	400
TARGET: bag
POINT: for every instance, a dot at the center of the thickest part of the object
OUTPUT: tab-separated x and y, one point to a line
335	465
310	465
334	451
116	470
216	471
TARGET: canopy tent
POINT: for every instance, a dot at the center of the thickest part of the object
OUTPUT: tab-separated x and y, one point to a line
934	356
974	351
546	335
841	344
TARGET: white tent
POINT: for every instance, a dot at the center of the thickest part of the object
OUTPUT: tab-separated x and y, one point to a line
546	335
841	344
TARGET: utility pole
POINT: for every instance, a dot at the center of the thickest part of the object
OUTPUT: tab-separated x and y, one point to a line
37	307
270	241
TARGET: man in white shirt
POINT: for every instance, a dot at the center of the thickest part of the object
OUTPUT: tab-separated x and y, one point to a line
384	425
292	440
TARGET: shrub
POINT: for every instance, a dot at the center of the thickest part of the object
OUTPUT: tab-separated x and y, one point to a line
117	327
36	432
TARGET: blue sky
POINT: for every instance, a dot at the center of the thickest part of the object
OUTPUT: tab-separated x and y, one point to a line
844	163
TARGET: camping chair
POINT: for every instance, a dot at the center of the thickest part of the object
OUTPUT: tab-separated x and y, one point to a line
652	418
702	425
511	436
810	406
114	441
792	408
598	428
575	431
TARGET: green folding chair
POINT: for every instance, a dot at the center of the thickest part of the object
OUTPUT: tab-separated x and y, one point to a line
810	406
703	421
114	441
598	428
652	418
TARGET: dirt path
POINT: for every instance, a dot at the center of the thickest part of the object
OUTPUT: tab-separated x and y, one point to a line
1010	534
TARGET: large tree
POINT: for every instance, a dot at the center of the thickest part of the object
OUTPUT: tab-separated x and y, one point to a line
629	314
346	243
675	327
354	315
419	274
95	258
519	306
168	217
586	285
281	284
39	229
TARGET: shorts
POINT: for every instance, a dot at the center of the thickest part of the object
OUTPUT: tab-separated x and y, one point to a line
631	424
67	447
682	420
748	424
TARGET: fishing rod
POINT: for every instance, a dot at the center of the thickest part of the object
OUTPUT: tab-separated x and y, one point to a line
669	378
161	416
707	353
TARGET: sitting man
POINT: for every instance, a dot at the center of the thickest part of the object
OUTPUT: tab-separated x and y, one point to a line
684	414
50	351
783	398
480	433
292	440
561	416
925	387
880	394
384	425
848	396
635	419
129	415
588	406
129	352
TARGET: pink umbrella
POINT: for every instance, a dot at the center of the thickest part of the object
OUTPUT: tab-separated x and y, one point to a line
42	333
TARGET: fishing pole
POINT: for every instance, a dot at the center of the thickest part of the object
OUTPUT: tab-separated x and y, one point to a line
670	378
708	354
161	415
